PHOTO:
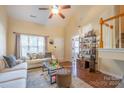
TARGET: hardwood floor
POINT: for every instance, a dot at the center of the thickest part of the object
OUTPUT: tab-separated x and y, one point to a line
95	79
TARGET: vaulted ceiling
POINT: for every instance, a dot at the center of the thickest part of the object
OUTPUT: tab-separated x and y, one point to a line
31	13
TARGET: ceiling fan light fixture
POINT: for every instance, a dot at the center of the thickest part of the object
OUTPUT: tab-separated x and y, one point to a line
55	10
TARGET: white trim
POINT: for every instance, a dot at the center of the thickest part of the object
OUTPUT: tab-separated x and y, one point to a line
111	49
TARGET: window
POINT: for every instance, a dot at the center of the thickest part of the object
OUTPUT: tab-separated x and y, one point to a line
32	44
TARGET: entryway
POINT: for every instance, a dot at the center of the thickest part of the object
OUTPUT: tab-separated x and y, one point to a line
75	52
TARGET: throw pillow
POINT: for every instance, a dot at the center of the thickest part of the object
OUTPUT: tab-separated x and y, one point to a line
6	64
11	60
48	55
2	65
40	55
34	56
29	55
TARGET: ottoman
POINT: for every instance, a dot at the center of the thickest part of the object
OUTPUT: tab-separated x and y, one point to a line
63	78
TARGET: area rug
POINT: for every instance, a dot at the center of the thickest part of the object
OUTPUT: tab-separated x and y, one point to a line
98	79
39	79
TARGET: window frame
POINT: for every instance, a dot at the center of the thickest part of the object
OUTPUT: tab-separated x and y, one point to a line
29	46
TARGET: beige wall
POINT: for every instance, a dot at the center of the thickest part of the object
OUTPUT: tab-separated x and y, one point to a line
3	29
90	15
69	31
55	33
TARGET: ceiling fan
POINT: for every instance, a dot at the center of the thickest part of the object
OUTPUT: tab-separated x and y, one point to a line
56	10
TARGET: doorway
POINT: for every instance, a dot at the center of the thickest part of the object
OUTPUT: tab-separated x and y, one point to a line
75	52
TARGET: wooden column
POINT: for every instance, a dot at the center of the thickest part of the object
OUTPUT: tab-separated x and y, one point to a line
101	35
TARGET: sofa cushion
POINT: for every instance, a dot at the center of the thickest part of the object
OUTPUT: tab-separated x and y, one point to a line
17	67
21	66
17	83
13	75
19	61
11	60
34	65
33	61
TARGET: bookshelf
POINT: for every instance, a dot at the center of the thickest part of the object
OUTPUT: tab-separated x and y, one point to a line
87	49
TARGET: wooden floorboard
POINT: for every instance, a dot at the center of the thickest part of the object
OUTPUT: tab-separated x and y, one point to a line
97	79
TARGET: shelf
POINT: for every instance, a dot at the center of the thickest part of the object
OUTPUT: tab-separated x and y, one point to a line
88	49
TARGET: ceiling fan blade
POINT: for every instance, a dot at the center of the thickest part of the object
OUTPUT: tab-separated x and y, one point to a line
62	16
65	6
50	16
43	8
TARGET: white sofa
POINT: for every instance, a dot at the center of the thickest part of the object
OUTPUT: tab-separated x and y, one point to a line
37	59
34	63
14	77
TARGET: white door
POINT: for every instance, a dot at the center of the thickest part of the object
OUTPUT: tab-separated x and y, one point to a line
59	51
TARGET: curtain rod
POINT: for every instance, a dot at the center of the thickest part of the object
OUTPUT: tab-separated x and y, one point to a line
29	34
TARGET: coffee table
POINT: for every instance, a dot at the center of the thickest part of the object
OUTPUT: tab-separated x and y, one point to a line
52	73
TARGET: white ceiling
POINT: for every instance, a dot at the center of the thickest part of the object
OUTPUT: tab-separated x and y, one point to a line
23	12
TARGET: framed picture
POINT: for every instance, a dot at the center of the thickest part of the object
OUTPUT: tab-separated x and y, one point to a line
51	42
